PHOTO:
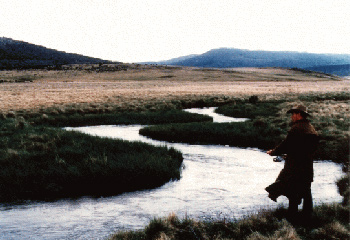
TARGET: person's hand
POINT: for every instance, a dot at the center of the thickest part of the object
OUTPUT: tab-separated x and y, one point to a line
269	152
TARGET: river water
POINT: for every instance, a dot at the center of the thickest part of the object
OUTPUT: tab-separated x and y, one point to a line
217	182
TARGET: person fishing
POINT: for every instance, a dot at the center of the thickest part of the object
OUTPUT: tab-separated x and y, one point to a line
294	180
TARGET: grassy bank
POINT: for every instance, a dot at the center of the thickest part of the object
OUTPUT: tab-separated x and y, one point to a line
250	108
42	162
330	116
38	160
121	118
260	131
269	125
242	134
328	222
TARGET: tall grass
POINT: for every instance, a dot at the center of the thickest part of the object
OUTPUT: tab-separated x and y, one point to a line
241	134
249	109
329	222
336	96
268	125
145	117
38	161
332	127
42	163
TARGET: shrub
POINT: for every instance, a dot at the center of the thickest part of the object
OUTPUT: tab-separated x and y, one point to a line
253	99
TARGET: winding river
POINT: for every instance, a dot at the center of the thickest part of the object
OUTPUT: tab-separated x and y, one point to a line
217	182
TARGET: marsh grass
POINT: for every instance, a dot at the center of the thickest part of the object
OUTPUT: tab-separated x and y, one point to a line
330	116
250	108
257	133
343	185
38	161
328	222
45	163
268	125
260	131
337	96
121	118
42	162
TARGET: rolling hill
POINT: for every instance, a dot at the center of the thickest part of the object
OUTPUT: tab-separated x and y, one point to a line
22	55
340	70
231	58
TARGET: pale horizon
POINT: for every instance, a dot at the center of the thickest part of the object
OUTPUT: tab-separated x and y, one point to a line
154	30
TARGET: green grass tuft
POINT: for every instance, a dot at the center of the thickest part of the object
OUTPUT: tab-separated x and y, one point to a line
242	134
249	109
121	118
328	222
42	163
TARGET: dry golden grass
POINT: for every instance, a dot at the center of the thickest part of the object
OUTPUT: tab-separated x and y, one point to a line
152	84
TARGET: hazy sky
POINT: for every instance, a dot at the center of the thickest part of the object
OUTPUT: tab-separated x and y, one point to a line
145	30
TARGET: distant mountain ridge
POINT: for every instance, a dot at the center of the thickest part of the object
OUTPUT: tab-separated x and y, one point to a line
231	58
340	70
16	54
22	55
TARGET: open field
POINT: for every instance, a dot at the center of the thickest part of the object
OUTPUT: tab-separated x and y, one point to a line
32	102
35	90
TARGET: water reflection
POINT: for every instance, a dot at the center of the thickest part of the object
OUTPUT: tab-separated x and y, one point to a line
217	182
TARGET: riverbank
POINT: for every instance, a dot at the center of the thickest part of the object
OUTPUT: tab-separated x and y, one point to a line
42	164
268	125
328	222
39	161
37	97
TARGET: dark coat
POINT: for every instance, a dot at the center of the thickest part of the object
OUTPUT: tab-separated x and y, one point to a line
296	176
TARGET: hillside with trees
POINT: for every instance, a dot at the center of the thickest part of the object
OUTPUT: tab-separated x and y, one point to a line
22	55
